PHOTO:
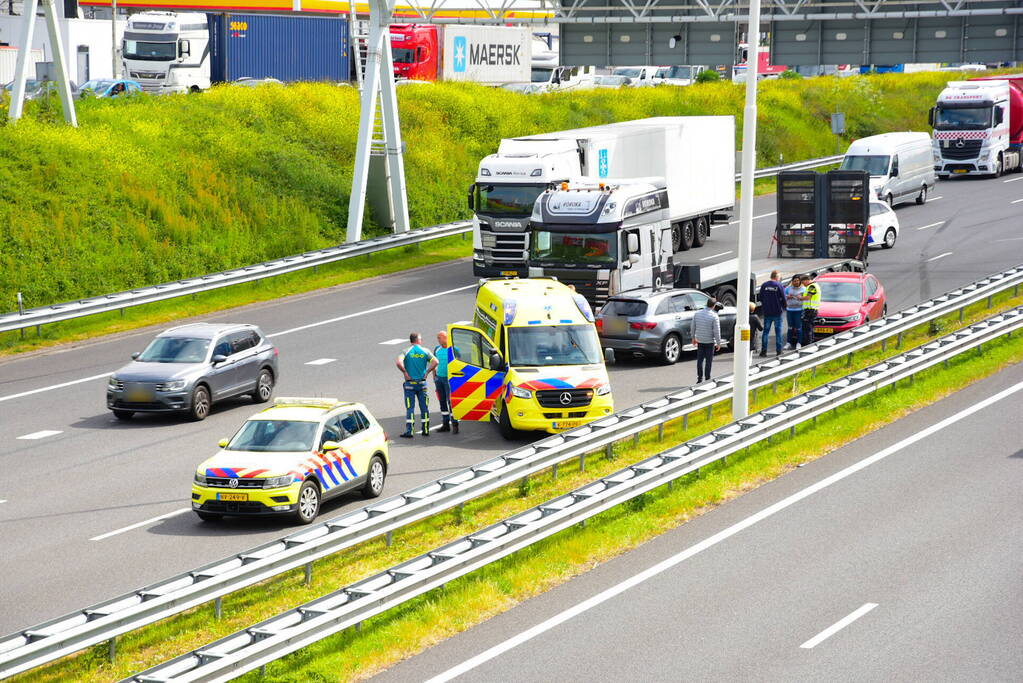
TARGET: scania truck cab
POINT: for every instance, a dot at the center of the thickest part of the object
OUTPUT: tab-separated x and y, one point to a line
167	52
603	237
530	361
978	127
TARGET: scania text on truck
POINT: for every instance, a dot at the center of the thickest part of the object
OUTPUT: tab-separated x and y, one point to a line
490	55
694	154
531	360
978	127
167	52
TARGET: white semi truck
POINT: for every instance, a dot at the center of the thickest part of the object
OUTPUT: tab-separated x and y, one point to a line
695	155
978	127
167	52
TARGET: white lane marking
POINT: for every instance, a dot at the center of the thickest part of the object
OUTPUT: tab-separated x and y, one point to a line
275	334
763	215
838	626
1017	201
2	501
371	310
934	199
321	361
55	386
710	542
392	342
41	435
1012	180
1010	239
932	225
724	253
935	258
136	526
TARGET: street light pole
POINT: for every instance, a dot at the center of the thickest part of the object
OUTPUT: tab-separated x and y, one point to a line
115	67
740	395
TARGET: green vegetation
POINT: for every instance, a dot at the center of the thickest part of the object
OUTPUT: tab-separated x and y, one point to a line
708	76
153	189
466	602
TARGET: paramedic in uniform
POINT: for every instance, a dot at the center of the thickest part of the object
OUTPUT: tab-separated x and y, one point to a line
443	353
415	364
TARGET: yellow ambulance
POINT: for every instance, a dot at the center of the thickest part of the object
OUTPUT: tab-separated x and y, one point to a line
531	361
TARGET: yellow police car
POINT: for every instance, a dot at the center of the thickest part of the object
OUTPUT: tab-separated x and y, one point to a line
289	458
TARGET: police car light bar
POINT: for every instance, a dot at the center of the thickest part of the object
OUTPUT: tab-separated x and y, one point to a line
306	402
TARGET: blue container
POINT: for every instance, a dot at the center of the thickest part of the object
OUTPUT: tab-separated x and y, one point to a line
288	48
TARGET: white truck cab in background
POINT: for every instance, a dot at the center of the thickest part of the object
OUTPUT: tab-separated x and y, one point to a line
167	52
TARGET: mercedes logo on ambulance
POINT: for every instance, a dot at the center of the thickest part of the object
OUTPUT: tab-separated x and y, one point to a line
565	398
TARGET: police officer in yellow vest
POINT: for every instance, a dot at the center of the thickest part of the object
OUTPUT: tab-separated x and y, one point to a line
811	302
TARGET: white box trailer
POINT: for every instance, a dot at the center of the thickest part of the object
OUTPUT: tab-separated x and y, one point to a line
694	154
9	62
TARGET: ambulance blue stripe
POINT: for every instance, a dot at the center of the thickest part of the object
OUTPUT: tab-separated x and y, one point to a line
556	383
230	472
348	464
494	383
468	373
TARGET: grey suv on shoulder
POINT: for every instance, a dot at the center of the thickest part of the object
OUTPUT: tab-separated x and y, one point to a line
657	323
187	368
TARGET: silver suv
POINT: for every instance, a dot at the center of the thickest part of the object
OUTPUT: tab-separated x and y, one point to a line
657	323
187	368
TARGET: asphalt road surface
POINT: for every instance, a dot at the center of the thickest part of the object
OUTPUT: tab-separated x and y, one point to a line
93	507
895	558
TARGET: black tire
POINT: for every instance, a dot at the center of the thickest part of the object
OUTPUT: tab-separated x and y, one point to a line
308	505
890	200
884	311
702	231
505	426
671	349
676	238
889	238
726	296
922	197
123	414
688	235
209	516
998	168
201	403
264	386
376	475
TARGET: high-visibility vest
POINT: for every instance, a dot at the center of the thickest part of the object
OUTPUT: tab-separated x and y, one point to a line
813	291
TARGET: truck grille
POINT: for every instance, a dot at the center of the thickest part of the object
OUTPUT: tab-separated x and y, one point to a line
969	150
551	398
507	247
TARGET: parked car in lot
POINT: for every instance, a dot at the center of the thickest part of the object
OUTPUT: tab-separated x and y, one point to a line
883	229
848	300
250	82
656	323
187	368
108	87
611	81
290	457
35	90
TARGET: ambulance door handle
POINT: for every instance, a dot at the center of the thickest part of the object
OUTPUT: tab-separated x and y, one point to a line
458	374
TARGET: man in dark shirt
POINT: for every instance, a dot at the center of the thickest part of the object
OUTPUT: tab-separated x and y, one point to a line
772	303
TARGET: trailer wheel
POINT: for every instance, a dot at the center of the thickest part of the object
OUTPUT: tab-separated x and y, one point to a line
726	295
688	235
702	231
676	238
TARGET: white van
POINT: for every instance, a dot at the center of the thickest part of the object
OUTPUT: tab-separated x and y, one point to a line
901	165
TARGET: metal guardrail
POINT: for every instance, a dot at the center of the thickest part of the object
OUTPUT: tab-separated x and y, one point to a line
75	631
278	636
146	295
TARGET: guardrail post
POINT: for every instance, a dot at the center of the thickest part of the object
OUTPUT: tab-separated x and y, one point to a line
582	462
754	396
884	344
389	538
961	313
609	451
685	422
813	372
990	296
112	649
308	573
554	471
459	509
218	608
945	363
848	360
21	311
635	440
795	384
792	431
524	486
660	431
710	410
898	341
774	387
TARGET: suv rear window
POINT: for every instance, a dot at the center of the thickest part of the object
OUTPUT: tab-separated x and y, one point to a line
625	307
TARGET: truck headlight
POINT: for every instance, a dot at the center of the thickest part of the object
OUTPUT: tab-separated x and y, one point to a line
277	482
603	389
200	479
519	392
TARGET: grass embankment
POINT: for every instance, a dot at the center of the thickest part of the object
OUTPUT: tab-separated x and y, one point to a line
155	189
470	600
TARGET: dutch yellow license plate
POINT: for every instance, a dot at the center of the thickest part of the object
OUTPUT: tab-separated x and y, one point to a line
568	424
509	272
823	330
233	497
959	170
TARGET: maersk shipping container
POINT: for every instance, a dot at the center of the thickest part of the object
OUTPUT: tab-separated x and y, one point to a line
291	48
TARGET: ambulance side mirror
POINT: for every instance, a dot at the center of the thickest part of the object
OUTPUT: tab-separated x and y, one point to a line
496	362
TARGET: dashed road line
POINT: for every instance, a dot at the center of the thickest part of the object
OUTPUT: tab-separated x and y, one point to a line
321	361
1017	201
392	342
932	225
1012	180
837	626
41	435
140	524
724	253
934	199
935	258
54	386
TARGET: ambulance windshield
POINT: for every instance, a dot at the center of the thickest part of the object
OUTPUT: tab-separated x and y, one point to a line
553	345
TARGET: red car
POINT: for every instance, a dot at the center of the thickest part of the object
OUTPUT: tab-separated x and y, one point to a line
848	300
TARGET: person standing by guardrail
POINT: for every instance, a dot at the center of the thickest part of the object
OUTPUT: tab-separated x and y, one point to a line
772	303
794	311
444	353
415	364
811	304
706	338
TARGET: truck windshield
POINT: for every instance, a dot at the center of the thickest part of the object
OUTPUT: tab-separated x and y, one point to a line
154	52
956	118
574	248
678	72
403	55
553	345
874	165
634	72
541	75
507	200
